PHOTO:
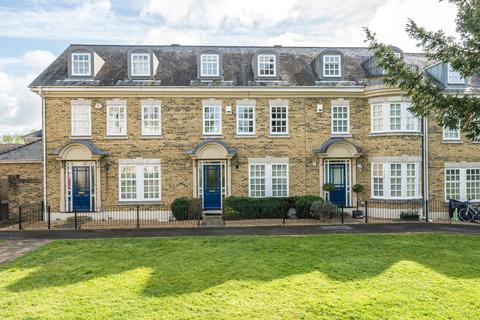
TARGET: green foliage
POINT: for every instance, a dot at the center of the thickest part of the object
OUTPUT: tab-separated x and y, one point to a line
184	208
256	208
428	99
12	139
358	188
328	187
409	215
303	204
324	210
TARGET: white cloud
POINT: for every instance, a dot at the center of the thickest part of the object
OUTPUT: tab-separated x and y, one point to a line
390	20
19	107
214	13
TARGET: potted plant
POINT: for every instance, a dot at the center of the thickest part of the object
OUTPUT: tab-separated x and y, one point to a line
327	187
409	216
357	188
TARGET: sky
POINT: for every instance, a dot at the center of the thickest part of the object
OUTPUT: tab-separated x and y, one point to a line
34	32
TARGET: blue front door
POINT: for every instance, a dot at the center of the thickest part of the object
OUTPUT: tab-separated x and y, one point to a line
337	176
212	186
81	189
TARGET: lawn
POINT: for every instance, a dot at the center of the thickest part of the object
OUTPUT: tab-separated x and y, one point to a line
314	277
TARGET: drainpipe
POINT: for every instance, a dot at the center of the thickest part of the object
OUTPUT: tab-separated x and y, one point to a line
425	163
44	147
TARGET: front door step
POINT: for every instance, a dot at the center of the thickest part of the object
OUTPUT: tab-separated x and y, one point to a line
211	219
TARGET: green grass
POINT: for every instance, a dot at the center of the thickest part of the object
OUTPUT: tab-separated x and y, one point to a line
315	277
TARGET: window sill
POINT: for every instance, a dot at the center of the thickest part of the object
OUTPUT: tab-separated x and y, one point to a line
341	135
390	134
152	137
134	203
116	137
397	199
80	137
452	141
212	136
279	136
246	136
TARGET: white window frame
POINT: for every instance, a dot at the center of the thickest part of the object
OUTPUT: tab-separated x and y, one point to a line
324	63
151	104
462	182
451	135
80	104
453	76
261	63
117	104
340	119
246	105
148	62
217	105
276	104
268	164
139	165
386	170
203	72
384	120
89	61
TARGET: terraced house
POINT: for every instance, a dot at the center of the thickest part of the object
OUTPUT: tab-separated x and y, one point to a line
147	124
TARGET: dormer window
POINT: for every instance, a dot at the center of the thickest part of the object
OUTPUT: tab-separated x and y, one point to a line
332	66
266	65
453	76
81	64
210	65
141	64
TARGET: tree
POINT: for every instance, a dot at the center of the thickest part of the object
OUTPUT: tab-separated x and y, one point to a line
12	139
428	99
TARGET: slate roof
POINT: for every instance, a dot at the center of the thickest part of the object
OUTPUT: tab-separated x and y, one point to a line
30	151
5	147
178	65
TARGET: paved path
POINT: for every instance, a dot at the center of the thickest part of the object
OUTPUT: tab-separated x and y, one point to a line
12	249
239	231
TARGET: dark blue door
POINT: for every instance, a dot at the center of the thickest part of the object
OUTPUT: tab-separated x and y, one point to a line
212	187
81	188
337	176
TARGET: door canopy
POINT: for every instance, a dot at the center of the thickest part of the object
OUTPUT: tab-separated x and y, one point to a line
338	148
210	149
80	150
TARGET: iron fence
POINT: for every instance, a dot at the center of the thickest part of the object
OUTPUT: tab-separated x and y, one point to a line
158	215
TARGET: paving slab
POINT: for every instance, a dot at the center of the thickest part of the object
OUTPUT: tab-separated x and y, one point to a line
12	249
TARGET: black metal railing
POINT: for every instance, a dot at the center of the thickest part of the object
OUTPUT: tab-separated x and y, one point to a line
34	217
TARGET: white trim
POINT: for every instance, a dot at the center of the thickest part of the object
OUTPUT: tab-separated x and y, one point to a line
462	171
80	103
144	54
445	138
274	65
348	177
212	103
278	103
115	104
339	75
72	72
332	119
451	79
245	104
156	104
386	117
403	179
202	74
139	165
268	164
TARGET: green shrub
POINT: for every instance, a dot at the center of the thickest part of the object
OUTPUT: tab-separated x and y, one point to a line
303	203
184	208
324	210
255	208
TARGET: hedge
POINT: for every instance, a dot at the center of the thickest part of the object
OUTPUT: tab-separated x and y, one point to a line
255	208
184	208
303	204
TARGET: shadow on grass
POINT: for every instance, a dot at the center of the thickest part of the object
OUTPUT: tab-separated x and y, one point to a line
185	265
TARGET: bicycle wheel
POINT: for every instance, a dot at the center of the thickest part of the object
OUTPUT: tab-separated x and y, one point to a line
464	215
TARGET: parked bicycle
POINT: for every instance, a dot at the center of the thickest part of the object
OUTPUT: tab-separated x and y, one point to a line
465	211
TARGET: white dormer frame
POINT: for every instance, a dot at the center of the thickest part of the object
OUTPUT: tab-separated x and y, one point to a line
453	76
269	56
210	55
75	60
148	61
324	63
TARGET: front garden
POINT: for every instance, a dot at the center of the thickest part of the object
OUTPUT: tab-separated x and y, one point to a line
314	277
